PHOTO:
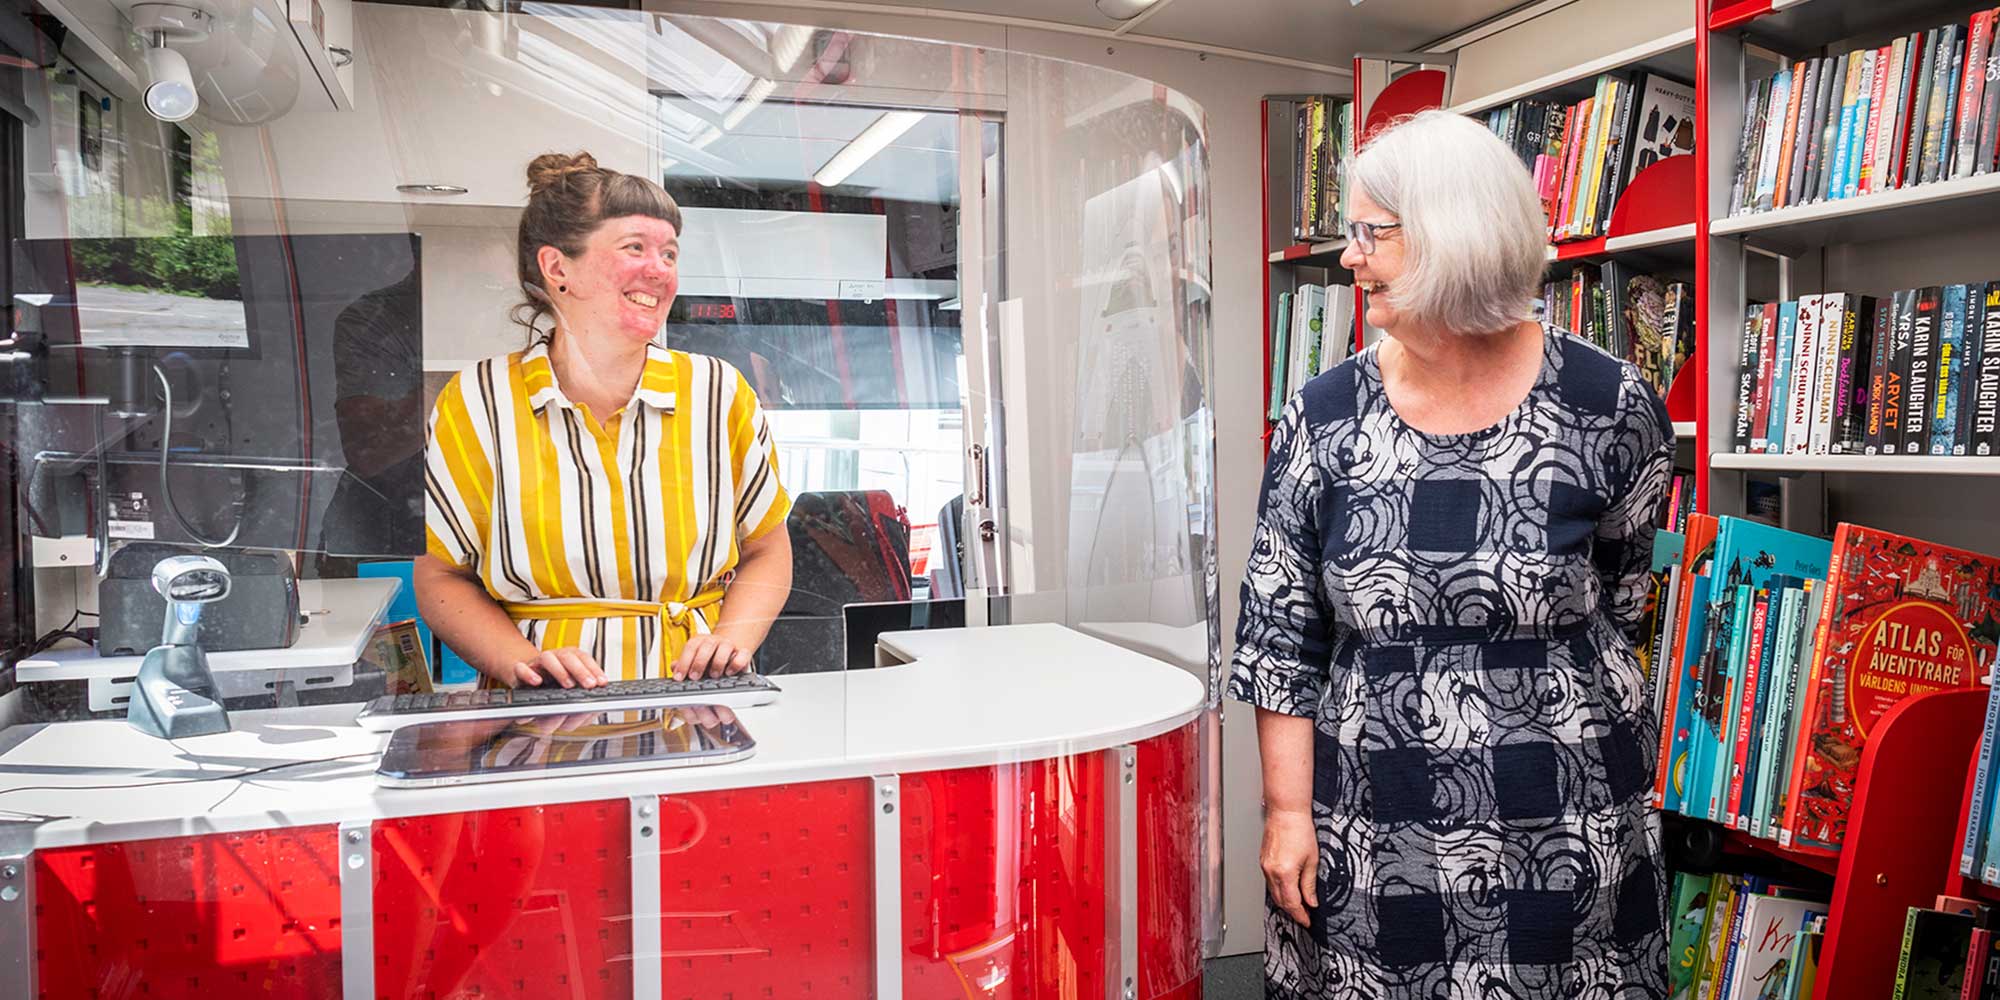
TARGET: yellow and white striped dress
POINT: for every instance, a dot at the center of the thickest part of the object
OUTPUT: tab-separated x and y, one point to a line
617	535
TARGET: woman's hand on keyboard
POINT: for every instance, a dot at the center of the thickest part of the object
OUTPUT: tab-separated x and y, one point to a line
567	666
710	655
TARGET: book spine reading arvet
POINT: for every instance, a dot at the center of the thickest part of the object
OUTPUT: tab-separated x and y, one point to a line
1880	343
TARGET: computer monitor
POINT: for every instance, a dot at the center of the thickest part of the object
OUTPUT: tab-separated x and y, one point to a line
295	369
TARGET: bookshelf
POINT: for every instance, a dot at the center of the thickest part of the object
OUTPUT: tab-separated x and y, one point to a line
1903	838
1289	263
1912	211
1915	465
1651	227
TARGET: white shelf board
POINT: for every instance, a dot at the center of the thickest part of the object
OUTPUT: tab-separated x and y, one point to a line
1953	205
1684	431
1652	239
1324	248
1683	233
1662	54
342	614
1938	465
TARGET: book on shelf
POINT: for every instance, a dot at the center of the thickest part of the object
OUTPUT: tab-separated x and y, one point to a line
1747	556
1776	655
1628	314
1280	342
1901	617
1312	329
1742	937
1688	622
1693	898
1931	965
1918	109
1583	155
1914	373
1321	127
1766	933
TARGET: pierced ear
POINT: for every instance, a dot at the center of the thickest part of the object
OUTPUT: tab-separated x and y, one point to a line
555	268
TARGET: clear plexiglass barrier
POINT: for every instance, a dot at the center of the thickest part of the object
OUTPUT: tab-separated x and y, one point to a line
589	503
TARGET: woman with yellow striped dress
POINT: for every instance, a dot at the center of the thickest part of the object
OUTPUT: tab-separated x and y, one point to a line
597	506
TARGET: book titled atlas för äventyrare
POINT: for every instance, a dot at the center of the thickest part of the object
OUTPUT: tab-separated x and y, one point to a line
1902	617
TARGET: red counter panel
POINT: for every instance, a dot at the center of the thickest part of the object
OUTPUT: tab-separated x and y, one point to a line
527	902
220	917
768	892
1003	881
1169	864
765	892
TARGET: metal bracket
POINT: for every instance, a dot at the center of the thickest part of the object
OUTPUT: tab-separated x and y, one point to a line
1121	871
646	958
886	806
17	921
357	910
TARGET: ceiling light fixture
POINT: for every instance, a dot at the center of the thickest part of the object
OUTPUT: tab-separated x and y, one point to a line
1123	10
862	148
753	96
170	95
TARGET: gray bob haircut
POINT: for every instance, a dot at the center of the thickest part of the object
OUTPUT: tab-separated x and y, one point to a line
1472	222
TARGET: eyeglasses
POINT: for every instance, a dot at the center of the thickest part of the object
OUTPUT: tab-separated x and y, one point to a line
1363	234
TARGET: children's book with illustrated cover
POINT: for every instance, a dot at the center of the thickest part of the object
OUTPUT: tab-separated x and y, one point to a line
1669	776
1668	548
1902	617
1692	903
1766	932
1747	553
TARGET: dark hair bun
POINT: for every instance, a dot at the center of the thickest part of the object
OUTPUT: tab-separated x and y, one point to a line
550	169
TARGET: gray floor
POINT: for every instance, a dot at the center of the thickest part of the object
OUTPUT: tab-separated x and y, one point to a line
1238	977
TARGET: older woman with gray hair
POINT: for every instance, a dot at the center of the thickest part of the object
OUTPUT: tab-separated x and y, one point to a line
1447	573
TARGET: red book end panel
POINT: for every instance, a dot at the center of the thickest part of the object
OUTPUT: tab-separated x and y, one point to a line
1660	197
1680	394
219	917
768	892
1408	94
1901	842
526	902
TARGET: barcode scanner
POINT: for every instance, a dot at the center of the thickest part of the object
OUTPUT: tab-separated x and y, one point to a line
174	695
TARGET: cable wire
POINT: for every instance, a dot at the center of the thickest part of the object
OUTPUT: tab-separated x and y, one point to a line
166	491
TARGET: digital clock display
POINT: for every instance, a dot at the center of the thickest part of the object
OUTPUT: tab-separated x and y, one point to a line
712	310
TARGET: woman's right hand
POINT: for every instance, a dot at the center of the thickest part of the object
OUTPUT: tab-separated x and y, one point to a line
1291	862
567	666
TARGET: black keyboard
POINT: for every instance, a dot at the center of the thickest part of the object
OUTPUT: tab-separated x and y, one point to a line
735	691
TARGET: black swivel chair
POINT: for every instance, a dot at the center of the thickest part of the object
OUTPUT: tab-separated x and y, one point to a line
848	547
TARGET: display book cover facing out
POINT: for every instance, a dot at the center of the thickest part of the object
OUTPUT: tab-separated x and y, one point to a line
1902	617
469	751
1748	554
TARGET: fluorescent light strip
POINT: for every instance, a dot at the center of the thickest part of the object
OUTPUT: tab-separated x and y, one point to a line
862	148
752	97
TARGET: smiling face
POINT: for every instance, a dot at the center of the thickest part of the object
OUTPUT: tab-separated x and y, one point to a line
624	281
1376	273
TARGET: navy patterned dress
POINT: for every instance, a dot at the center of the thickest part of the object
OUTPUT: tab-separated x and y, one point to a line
1455	613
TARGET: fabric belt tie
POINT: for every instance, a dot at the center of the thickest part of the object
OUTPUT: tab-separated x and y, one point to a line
689	615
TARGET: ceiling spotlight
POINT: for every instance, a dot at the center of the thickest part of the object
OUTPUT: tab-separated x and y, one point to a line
170	94
1123	10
